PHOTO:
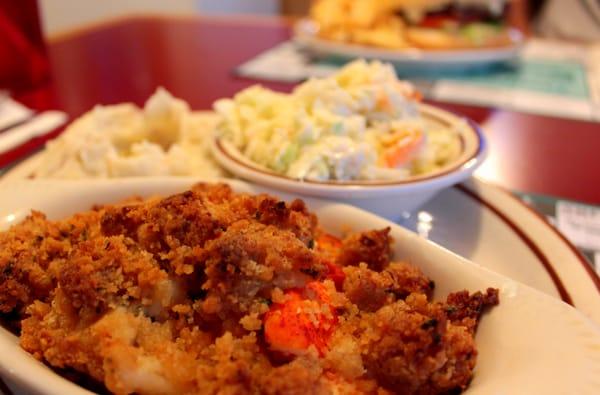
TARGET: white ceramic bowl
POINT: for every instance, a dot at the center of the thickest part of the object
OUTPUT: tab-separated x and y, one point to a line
530	343
390	199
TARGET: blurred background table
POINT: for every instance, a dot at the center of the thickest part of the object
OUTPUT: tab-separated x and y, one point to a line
194	57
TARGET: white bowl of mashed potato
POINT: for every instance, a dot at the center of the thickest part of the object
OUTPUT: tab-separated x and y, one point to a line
163	138
360	136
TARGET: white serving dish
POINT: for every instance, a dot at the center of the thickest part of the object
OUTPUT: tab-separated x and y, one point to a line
389	199
412	59
530	344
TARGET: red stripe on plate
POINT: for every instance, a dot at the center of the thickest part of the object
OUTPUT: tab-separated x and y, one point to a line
588	268
562	291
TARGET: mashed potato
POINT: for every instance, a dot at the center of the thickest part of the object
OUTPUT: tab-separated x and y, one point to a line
163	139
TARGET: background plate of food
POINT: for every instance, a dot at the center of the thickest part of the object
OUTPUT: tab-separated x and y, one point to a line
121	294
430	34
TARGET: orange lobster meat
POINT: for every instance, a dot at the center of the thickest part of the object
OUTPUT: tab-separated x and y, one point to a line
335	274
306	318
328	246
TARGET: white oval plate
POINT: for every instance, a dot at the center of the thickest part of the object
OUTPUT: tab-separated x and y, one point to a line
530	344
305	35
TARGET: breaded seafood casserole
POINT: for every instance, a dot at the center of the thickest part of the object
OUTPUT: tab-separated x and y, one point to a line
215	292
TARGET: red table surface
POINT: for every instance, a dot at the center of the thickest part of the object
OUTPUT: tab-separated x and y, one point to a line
195	57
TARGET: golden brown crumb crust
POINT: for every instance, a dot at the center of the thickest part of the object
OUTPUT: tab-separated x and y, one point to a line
171	296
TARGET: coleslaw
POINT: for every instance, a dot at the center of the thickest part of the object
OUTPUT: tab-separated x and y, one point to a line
361	123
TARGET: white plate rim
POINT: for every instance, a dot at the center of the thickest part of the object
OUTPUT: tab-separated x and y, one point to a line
304	35
571	274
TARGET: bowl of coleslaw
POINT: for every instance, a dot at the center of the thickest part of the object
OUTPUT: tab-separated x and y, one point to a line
361	136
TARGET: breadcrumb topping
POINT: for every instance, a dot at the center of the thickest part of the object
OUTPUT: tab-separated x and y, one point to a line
215	292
